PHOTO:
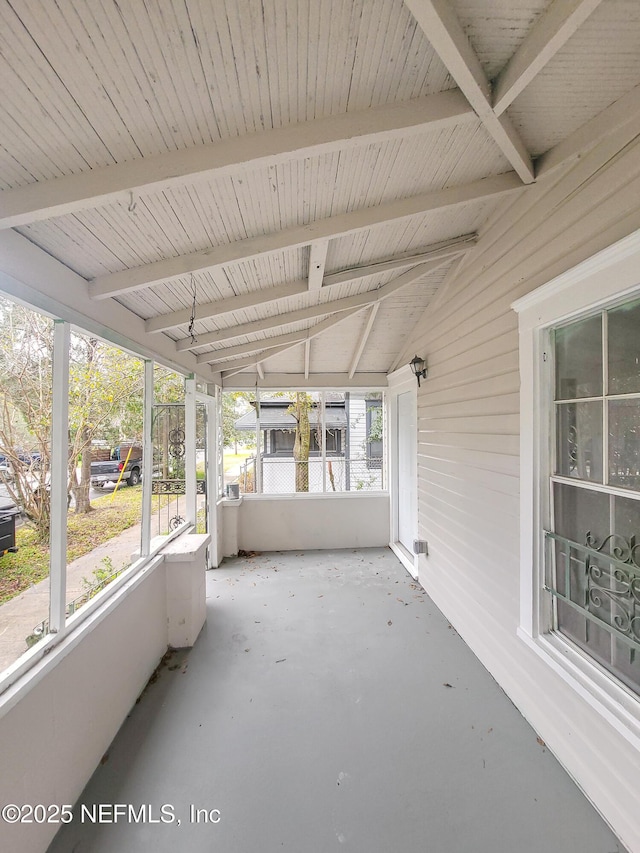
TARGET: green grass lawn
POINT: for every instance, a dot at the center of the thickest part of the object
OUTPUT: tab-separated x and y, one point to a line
233	460
111	515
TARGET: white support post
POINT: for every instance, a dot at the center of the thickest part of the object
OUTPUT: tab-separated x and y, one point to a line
257	474
219	445
59	477
147	460
211	478
323	428
190	449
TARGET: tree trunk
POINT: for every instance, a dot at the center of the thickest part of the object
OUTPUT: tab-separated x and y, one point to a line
83	501
301	444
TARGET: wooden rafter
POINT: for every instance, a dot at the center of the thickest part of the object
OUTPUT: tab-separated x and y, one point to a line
309	335
449	248
553	30
402	281
169	269
363	339
43	200
442	28
317	261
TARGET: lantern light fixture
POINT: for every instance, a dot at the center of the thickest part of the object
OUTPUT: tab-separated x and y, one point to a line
418	366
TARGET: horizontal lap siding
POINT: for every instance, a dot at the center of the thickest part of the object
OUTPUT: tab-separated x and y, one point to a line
468	408
468	436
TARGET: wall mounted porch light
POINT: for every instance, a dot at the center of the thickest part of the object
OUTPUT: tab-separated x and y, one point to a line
417	364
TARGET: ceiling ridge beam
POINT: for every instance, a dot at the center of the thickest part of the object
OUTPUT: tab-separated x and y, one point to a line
452	249
548	35
138	278
121	182
440	25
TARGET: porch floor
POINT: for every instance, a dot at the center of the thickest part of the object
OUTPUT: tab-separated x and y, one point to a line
326	706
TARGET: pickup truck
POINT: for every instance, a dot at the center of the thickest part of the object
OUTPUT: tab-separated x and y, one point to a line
109	470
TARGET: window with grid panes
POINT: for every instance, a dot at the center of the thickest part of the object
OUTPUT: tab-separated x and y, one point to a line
592	564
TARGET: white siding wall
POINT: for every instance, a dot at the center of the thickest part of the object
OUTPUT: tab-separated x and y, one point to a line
468	465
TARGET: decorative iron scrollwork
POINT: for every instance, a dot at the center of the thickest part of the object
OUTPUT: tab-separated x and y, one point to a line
622	592
176	487
622	549
601	580
177	443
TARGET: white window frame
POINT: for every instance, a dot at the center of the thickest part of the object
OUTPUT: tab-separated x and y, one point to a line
66	630
609	276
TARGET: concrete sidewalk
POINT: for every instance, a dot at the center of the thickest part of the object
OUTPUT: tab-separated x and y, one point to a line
20	616
23	613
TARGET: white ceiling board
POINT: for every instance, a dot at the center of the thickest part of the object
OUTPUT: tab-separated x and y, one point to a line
291	361
193	218
110	84
408	235
599	64
123	80
496	30
333	349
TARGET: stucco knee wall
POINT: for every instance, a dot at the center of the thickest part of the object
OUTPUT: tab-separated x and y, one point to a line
54	736
310	522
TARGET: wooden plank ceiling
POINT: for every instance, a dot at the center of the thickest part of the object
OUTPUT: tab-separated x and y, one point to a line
277	188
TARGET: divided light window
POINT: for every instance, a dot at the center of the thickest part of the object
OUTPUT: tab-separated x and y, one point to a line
593	550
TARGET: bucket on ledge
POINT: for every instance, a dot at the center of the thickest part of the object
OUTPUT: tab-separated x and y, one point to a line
233	491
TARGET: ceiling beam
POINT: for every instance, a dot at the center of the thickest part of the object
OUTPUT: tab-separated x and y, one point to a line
360	300
364	338
122	182
550	33
141	277
442	249
449	248
225	306
368	381
238	366
309	335
317	261
307	359
252	346
404	280
438	21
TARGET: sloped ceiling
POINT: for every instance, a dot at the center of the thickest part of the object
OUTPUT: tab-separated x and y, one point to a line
274	190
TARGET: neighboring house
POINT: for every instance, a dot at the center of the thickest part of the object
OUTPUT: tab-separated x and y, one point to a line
352	439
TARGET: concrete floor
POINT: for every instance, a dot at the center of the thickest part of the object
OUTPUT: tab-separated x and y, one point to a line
328	706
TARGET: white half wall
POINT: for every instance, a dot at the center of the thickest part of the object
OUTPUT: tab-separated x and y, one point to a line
310	522
58	721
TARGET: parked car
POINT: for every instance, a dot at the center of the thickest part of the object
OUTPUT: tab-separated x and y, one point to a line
119	462
8	514
5	468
